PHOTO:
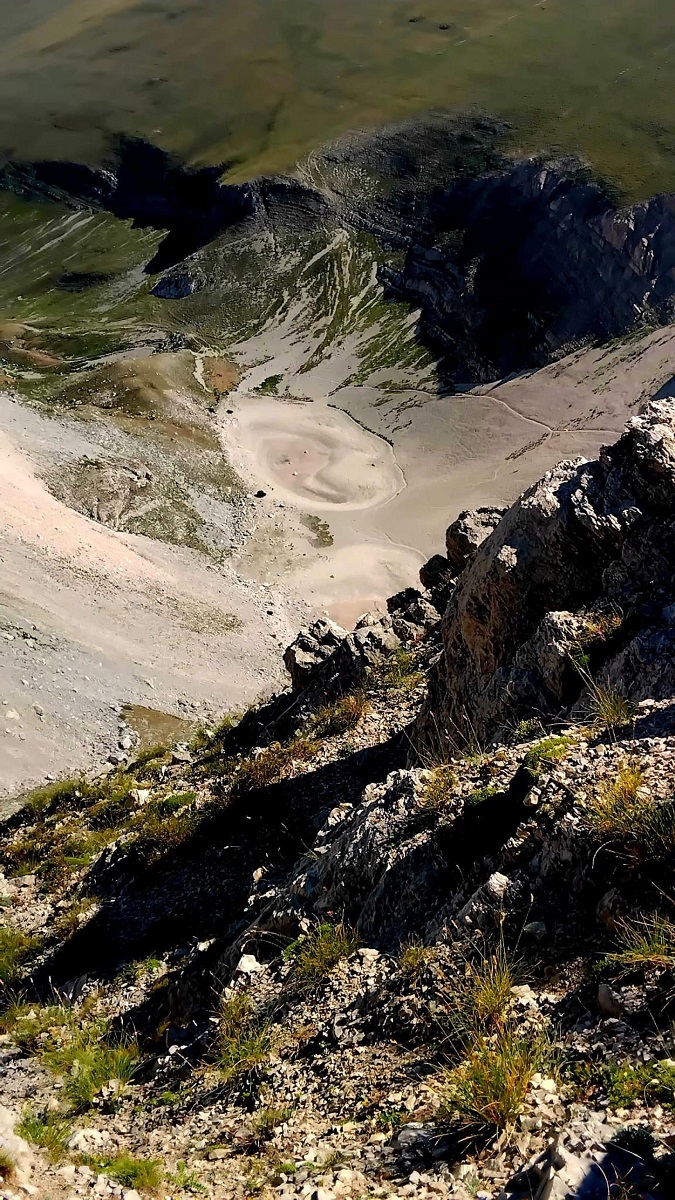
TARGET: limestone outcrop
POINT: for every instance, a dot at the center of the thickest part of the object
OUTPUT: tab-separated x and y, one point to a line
581	569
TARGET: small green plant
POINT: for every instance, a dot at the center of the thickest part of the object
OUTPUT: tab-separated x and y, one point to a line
648	942
549	750
608	707
389	1120
89	1059
16	950
415	959
187	1181
440	789
270	764
623	814
318	952
650	1083
7	1167
526	731
488	1089
49	1130
338	718
143	1174
244	1043
399	672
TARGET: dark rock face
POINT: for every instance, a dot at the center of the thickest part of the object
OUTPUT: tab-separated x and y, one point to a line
530	261
587	536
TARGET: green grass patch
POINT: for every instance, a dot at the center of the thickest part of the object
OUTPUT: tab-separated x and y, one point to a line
143	1174
89	1059
244	1044
315	954
49	1130
16	950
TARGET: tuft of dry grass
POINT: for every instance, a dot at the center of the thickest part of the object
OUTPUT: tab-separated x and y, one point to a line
487	1090
315	955
271	764
440	789
647	942
620	806
340	717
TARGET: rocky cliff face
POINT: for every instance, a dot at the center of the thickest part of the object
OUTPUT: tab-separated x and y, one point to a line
582	563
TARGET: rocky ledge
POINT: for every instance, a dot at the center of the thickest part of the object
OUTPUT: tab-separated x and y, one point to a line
403	930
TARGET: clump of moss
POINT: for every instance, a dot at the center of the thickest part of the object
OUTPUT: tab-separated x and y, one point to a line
548	751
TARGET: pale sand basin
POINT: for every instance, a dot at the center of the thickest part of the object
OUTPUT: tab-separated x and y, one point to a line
311	456
314	459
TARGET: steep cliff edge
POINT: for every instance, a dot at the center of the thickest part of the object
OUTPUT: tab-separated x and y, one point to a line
406	929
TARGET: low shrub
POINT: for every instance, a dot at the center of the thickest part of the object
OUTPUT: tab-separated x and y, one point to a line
649	1083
